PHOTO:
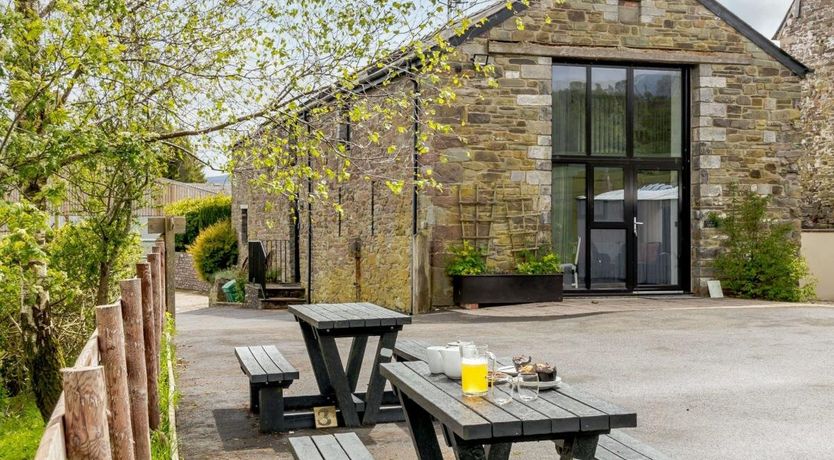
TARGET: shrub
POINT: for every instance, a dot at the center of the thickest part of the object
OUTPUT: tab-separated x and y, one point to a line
761	258
239	276
467	260
533	264
214	249
199	213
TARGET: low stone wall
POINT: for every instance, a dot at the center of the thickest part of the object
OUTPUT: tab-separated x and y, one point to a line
185	275
818	250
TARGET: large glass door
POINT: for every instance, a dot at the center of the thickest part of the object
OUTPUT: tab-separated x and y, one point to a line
620	163
657	229
607	229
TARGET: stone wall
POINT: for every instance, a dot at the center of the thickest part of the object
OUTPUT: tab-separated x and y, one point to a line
186	277
269	216
364	253
808	34
744	113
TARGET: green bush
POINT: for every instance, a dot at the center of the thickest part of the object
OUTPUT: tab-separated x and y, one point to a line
238	275
199	213
533	264
467	260
760	258
214	249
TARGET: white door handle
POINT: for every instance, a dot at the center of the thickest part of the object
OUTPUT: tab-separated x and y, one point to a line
636	223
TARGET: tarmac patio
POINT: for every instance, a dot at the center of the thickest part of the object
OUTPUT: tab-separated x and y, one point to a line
708	378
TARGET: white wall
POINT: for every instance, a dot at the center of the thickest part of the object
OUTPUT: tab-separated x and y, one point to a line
818	250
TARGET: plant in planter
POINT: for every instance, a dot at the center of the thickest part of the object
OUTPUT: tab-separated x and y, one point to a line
467	260
538	278
532	264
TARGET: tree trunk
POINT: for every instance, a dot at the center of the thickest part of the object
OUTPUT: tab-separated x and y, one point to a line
45	357
103	291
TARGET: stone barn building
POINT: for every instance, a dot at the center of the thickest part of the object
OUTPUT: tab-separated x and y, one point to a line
652	107
808	33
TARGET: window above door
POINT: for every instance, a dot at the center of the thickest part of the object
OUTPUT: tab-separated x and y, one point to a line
618	111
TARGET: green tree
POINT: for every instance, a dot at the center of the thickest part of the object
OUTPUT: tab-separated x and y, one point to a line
181	165
78	80
105	190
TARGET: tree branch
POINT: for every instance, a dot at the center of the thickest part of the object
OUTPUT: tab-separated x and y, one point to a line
208	129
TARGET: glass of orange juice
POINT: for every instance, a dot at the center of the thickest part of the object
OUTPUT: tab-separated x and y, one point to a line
474	365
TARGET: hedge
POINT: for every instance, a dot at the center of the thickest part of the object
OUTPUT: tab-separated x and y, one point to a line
214	249
199	213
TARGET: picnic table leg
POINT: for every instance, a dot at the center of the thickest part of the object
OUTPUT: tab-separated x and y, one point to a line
338	379
467	452
354	363
580	447
272	409
421	429
314	352
447	436
376	384
498	451
254	398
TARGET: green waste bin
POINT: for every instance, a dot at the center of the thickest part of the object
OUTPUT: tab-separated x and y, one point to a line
231	292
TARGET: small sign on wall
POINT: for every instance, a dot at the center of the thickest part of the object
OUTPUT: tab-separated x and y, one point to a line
325	417
715	290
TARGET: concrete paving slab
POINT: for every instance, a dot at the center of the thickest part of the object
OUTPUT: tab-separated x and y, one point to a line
709	380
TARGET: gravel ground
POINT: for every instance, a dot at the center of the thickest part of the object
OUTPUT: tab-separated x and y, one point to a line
708	379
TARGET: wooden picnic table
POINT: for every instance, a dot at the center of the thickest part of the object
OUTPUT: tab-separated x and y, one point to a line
476	427
321	324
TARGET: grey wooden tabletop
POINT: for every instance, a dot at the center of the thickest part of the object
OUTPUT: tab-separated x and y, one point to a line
566	411
348	315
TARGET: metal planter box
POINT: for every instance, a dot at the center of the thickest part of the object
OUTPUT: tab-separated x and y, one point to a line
506	289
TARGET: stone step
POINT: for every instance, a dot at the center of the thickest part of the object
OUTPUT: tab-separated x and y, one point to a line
284	290
279	303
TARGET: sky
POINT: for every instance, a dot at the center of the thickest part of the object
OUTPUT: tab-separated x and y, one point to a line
764	15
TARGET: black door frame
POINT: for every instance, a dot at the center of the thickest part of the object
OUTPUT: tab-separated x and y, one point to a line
631	165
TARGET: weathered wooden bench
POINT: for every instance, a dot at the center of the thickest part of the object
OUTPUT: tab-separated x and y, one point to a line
620	446
410	350
269	373
340	446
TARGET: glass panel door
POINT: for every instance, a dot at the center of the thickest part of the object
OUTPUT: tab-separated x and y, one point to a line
568	222
620	163
608	243
656	227
609	258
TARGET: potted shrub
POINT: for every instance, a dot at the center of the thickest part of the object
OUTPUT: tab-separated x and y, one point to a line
538	278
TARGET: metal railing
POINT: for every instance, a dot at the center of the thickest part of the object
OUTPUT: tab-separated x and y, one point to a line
271	261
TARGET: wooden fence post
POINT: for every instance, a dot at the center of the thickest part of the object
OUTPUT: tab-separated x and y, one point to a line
159	312
111	345
143	272
159	249
168	228
85	418
173	225
137	376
